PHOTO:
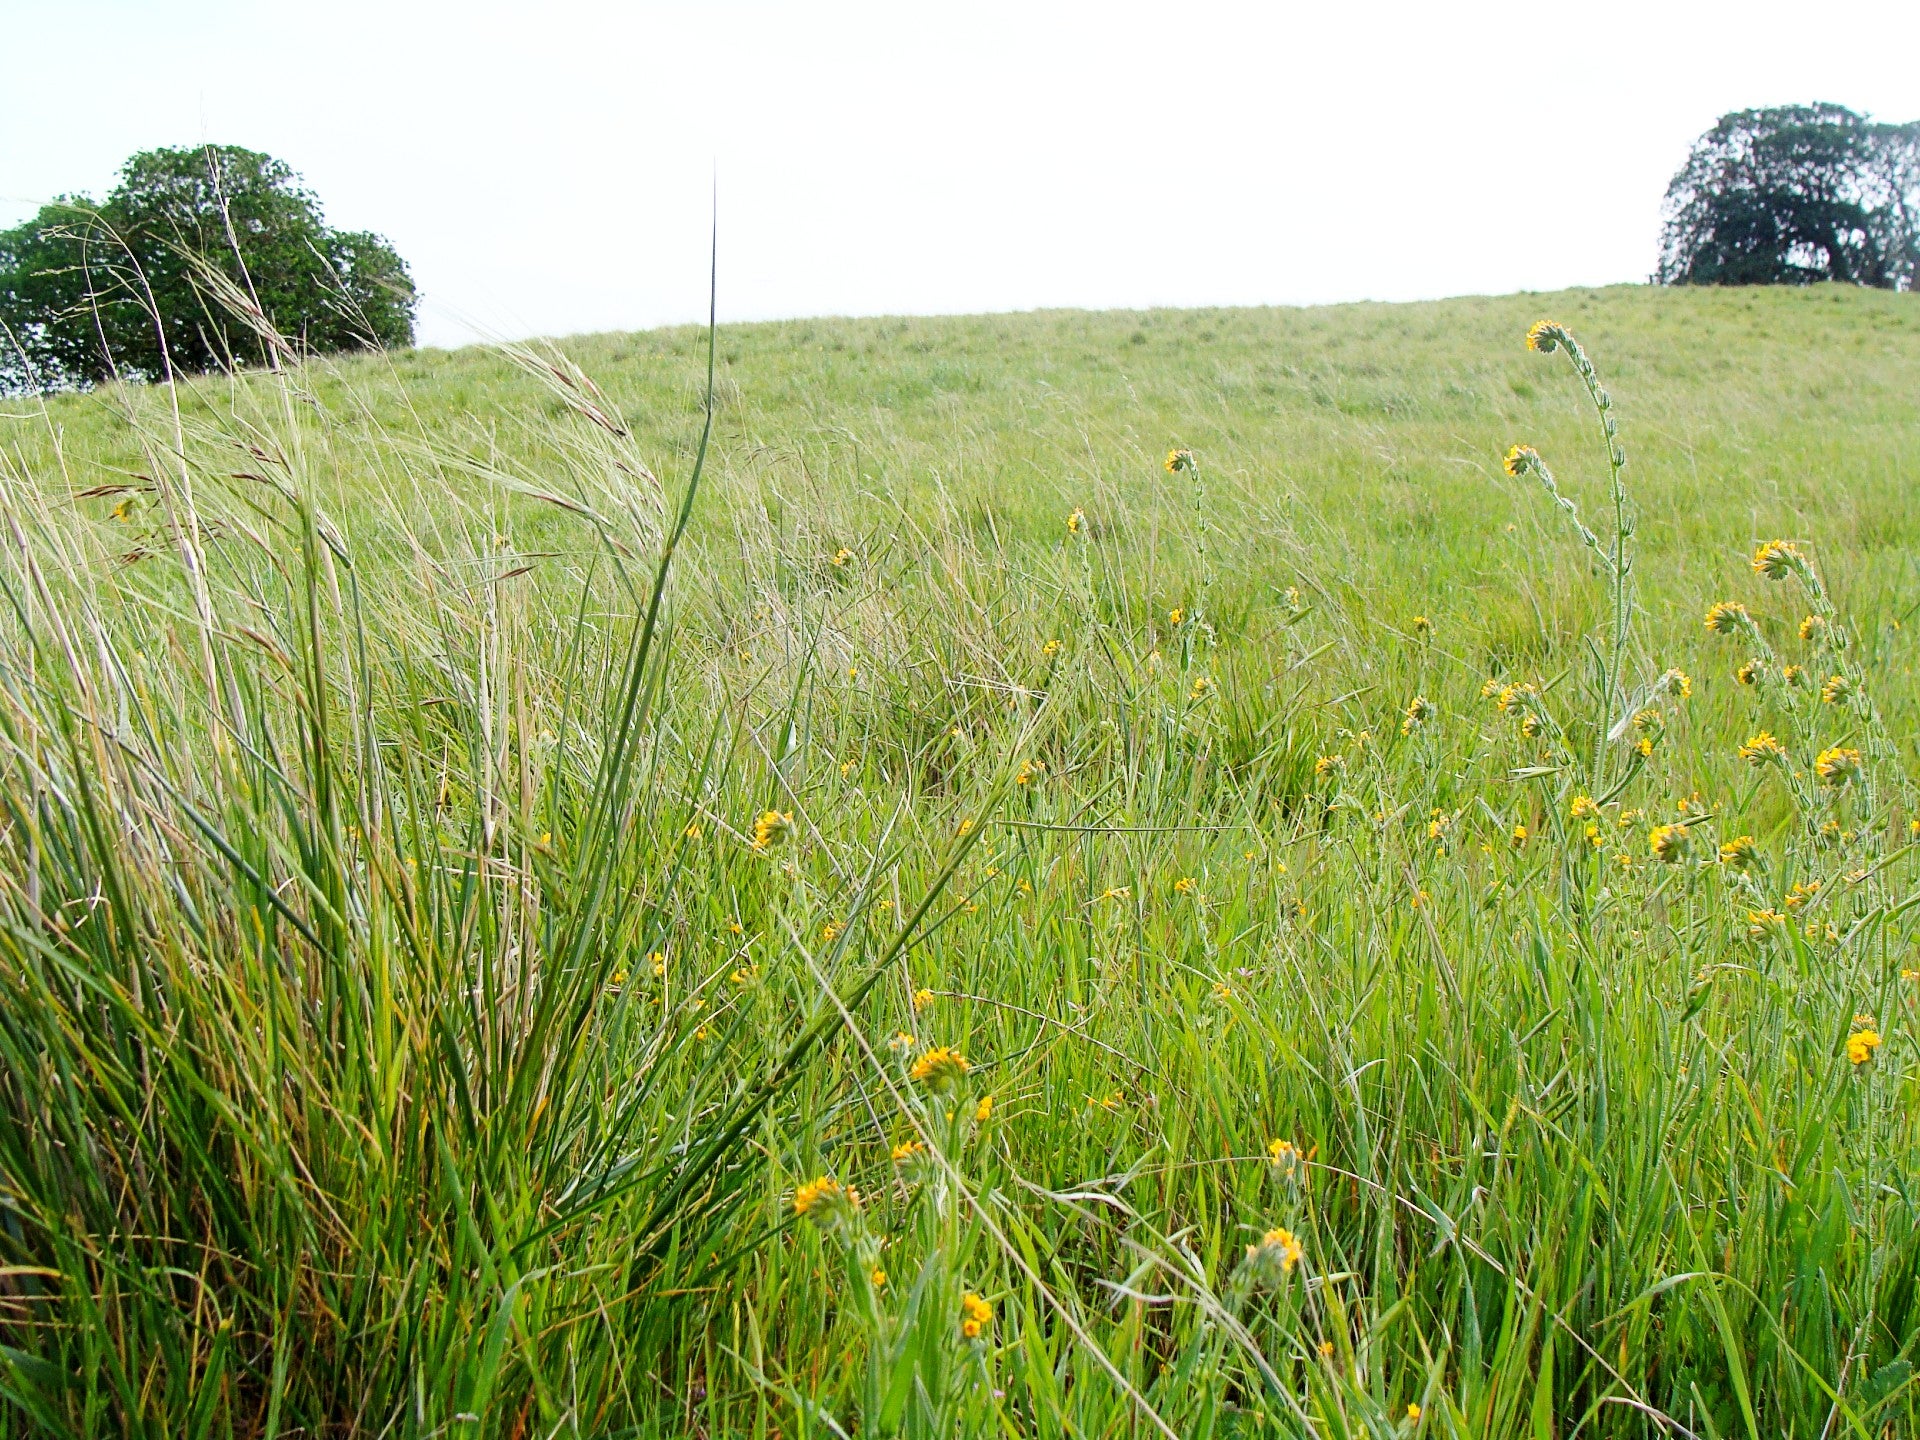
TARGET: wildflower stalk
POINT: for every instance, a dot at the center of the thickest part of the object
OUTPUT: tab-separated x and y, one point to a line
1614	553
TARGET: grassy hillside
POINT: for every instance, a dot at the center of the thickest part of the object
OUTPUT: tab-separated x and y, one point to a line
447	992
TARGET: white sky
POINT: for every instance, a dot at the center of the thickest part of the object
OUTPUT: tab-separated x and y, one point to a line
545	166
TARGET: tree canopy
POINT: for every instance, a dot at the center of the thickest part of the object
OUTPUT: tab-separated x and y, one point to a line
1793	195
193	256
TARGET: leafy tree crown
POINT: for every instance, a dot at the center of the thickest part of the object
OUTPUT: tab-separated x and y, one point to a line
189	264
1793	195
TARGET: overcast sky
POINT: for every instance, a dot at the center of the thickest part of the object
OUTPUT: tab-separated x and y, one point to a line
545	167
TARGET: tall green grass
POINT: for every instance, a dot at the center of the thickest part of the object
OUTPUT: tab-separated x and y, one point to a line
405	1035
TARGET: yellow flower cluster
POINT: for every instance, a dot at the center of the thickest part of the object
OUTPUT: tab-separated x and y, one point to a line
771	828
1729	617
824	1198
1278	1246
1545	336
1285	1158
976	1316
940	1068
1861	1044
1520	459
1836	765
1669	843
1763	749
1777	559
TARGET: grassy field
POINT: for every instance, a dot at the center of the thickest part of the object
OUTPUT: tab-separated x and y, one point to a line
1281	934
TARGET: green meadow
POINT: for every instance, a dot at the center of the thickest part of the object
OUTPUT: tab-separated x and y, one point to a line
1111	874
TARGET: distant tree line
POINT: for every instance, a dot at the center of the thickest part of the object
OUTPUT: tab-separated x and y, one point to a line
1793	195
195	256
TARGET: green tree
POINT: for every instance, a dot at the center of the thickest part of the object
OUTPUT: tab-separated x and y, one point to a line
1793	195
188	263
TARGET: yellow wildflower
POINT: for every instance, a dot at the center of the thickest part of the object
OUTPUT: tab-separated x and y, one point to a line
1277	1251
922	999
940	1069
1545	336
1729	617
1668	843
1837	690
1583	808
1184	885
1763	749
878	1278
1418	709
771	828
824	1197
1748	673
1837	764
984	1110
1776	559
1285	1158
1050	649
1679	682
1740	852
1179	460
1076	521
1519	459
1519	836
1175	616
906	1150
976	1316
1861	1044
1811	626
841	557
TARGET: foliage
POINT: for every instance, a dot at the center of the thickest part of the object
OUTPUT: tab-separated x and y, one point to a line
928	988
1795	194
196	261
